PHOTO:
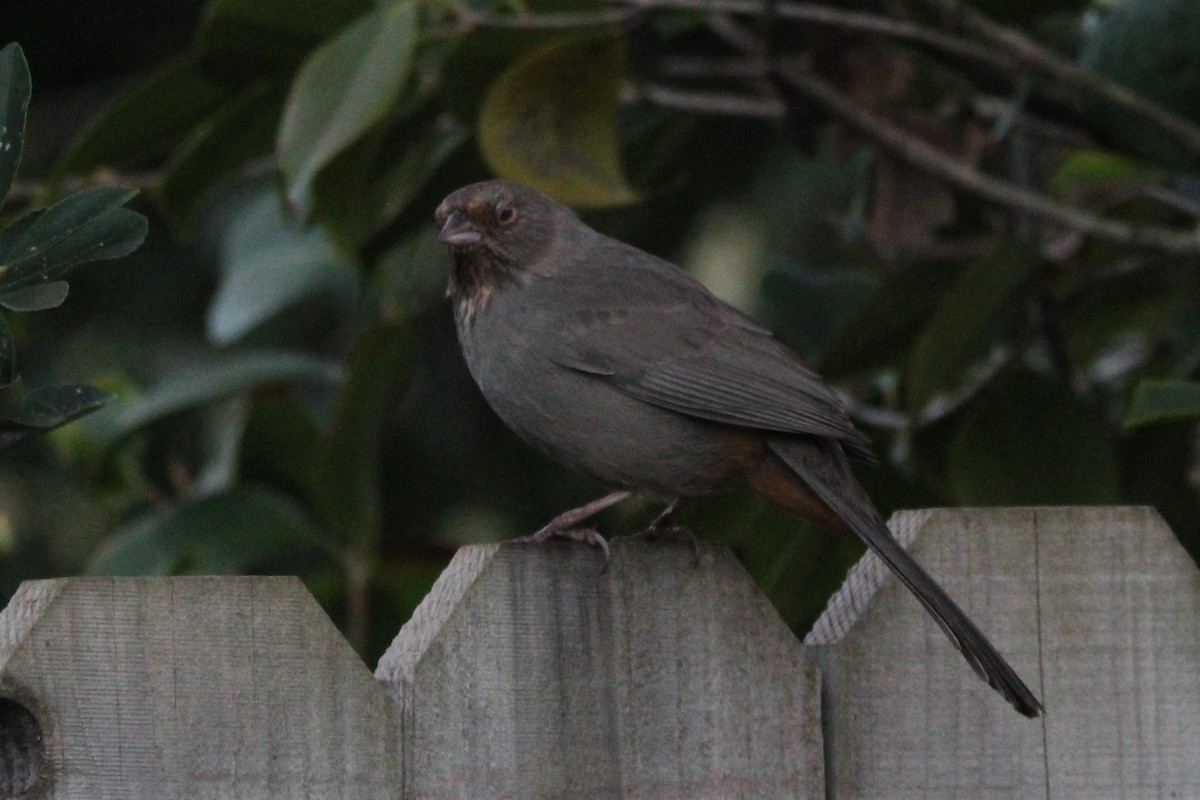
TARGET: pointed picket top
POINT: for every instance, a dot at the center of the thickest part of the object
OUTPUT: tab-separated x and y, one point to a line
186	688
534	671
1098	609
862	582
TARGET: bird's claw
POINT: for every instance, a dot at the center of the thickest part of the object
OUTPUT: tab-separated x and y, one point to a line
588	536
670	529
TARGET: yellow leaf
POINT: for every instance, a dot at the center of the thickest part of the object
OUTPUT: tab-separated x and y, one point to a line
550	121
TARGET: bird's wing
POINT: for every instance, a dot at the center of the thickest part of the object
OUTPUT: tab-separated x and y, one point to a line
693	355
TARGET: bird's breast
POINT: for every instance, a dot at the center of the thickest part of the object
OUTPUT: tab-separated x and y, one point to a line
581	420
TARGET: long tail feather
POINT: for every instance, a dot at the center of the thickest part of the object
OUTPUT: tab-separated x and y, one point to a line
822	467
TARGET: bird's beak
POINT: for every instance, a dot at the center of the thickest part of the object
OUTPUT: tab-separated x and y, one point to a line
459	232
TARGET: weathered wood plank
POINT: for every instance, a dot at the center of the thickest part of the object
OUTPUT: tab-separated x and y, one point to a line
905	715
1120	610
1097	608
532	672
186	688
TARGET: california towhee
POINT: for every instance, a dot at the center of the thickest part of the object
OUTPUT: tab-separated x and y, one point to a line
623	367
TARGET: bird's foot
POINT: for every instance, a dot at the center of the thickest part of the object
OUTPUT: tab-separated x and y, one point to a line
588	536
565	525
667	526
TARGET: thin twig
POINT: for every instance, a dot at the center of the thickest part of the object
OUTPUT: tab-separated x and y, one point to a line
1177	201
1044	308
992	109
715	103
740	37
466	20
26	192
706	67
888	419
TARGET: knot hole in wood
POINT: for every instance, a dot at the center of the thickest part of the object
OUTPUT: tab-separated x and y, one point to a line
21	762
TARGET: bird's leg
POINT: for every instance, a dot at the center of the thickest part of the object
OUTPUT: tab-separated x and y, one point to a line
666	521
569	519
665	525
563	526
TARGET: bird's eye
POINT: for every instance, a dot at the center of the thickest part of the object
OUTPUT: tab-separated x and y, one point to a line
506	215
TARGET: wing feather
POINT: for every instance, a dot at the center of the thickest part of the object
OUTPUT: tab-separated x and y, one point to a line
701	358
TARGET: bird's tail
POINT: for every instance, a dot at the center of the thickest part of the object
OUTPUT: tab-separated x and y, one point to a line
822	468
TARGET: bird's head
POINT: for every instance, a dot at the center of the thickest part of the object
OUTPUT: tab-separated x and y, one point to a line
506	221
500	234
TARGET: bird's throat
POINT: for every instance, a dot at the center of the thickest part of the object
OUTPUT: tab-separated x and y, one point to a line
476	275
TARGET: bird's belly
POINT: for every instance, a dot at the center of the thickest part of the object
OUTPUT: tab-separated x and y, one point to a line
590	426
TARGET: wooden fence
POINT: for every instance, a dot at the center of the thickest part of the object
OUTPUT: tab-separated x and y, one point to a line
531	672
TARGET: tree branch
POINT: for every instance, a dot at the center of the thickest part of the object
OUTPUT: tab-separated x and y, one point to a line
1007	50
715	103
793	74
466	20
915	151
1033	55
850	20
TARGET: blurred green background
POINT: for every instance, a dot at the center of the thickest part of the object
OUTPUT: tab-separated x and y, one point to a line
287	394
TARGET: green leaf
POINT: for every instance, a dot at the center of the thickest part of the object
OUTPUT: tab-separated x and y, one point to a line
342	196
240	131
550	121
472	62
1091	166
964	325
346	483
343	90
1162	400
12	394
1028	440
48	407
411	277
16	231
280	443
799	194
15	89
35	298
808	306
268	264
372	182
221	376
87	226
1112	307
882	332
1148	46
146	123
234	531
244	40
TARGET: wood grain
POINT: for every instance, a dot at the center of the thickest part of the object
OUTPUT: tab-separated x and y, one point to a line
1097	608
531	671
191	688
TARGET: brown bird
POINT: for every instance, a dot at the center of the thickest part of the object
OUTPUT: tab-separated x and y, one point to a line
621	366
